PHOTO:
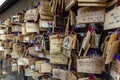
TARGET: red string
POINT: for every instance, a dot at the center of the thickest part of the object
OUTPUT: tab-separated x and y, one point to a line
118	3
91	77
90	28
58	36
72	31
118	33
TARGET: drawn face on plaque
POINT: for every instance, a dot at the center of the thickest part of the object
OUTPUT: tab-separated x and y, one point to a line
66	43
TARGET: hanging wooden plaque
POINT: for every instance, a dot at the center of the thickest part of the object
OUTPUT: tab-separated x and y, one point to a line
31	14
112	19
58	59
23	61
59	74
46	68
114	49
91	14
93	65
32	27
56	44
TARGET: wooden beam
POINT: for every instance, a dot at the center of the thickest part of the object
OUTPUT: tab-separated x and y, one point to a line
92	4
92	0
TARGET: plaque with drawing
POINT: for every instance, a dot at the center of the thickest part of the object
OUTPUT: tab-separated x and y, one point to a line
15	19
67	43
45	24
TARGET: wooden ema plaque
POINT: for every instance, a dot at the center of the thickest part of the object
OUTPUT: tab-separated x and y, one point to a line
112	19
91	14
